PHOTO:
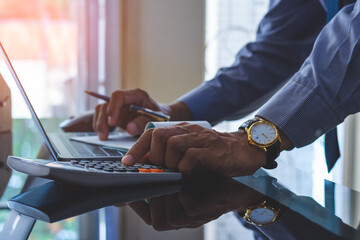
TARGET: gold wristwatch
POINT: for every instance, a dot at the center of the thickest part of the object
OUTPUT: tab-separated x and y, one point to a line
264	135
262	214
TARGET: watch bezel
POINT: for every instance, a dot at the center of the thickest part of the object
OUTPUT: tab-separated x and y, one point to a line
253	142
261	205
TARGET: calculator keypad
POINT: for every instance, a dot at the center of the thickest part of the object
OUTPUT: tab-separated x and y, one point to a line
117	167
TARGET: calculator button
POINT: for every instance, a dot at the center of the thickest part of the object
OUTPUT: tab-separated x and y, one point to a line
144	169
132	169
120	169
154	167
156	170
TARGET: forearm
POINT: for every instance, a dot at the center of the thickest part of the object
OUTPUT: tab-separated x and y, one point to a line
284	39
326	88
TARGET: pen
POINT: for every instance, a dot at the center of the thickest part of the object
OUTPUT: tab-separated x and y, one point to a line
97	95
144	111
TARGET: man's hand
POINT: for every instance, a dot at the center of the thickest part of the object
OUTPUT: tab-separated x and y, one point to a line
186	147
196	205
116	112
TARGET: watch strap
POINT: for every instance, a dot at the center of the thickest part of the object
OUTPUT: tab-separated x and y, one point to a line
272	152
248	123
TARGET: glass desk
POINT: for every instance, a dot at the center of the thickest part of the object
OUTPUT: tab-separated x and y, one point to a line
303	206
25	140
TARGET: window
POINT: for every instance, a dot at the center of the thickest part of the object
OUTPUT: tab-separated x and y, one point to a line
41	41
58	48
230	24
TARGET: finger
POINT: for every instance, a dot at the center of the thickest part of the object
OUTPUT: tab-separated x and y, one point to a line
96	115
102	127
139	149
120	100
175	214
142	209
136	126
158	216
177	145
159	140
189	203
125	117
205	206
191	159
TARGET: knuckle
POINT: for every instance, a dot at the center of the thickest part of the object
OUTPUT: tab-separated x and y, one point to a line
142	93
173	142
148	132
159	134
116	94
192	153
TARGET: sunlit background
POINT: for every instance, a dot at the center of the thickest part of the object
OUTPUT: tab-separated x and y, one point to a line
59	48
41	39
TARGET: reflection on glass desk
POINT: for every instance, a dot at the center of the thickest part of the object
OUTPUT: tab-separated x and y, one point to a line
272	210
284	203
25	140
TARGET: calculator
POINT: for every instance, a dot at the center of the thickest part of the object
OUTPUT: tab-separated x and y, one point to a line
93	173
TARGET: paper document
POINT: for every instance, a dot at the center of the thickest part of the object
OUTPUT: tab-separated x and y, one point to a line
120	140
123	141
149	125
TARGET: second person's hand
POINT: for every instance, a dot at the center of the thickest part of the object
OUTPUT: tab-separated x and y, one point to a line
116	112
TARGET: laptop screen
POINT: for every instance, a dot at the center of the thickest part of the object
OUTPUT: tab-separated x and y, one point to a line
8	71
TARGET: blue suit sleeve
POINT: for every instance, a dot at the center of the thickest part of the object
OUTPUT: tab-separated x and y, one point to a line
326	89
284	39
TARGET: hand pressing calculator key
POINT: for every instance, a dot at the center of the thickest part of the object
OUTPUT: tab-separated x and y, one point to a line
93	173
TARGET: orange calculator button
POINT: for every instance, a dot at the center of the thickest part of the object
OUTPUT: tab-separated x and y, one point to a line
144	170
156	170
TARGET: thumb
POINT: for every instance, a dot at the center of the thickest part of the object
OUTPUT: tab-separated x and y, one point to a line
137	125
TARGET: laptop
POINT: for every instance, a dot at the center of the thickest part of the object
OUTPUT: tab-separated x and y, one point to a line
60	145
82	163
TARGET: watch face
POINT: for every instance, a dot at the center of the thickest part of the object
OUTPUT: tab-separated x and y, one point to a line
263	133
262	216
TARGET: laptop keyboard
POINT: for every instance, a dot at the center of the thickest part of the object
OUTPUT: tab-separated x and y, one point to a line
78	149
116	166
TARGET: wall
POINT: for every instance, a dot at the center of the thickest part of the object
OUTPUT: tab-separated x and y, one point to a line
162	52
163	46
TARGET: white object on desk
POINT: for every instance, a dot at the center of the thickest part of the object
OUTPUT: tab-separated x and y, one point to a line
124	141
119	140
149	125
